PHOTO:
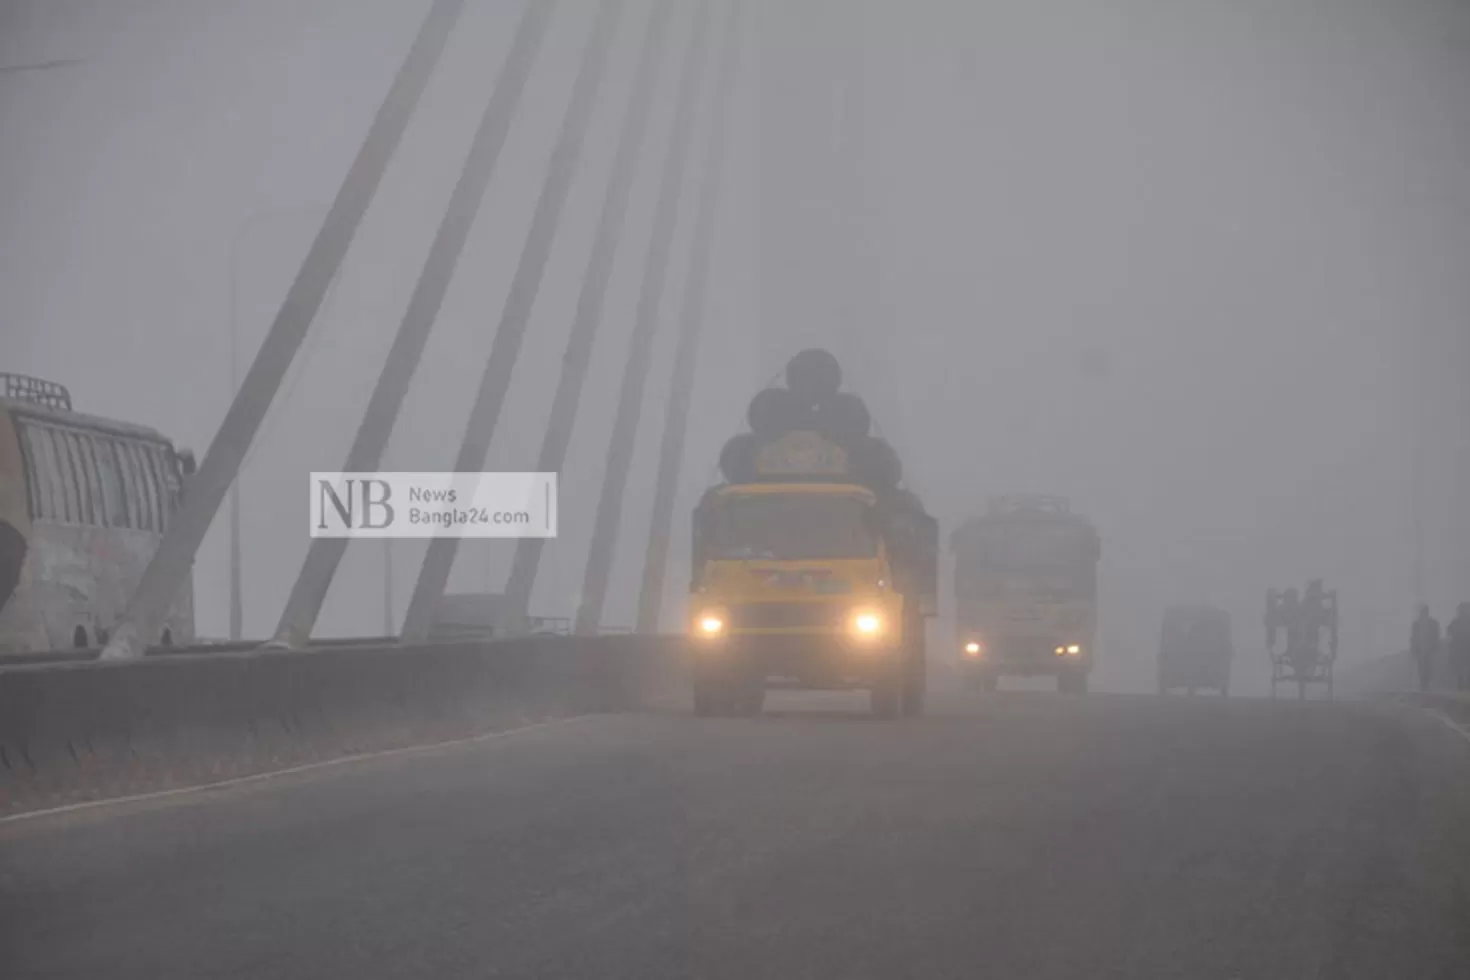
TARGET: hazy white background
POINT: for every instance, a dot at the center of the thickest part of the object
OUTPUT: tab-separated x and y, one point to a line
1258	212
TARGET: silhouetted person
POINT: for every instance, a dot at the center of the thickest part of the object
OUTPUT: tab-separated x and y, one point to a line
1457	638
1424	645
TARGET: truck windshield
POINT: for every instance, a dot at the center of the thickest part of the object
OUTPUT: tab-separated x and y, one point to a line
790	527
1036	557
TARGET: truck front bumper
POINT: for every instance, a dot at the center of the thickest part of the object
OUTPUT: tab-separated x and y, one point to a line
1024	657
805	660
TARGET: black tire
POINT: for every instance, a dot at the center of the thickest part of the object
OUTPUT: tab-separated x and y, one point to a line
842	417
737	459
886	697
915	688
915	673
814	374
776	411
875	464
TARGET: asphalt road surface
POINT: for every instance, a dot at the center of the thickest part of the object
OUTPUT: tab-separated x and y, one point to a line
1024	835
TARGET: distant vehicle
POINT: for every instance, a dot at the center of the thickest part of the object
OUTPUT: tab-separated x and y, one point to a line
84	502
1195	650
812	568
1026	592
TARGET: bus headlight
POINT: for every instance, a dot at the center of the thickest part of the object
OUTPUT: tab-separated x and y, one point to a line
867	623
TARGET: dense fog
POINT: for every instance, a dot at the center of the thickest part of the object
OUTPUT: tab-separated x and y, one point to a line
1198	266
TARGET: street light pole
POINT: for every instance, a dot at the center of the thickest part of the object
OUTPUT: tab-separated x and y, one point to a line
388	629
237	608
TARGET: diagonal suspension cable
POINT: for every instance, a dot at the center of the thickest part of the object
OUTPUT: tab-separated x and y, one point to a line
588	317
325	554
686	350
505	349
174	559
635	372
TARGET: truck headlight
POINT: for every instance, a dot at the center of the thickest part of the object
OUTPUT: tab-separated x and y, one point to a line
710	623
867	623
1074	649
973	649
1069	650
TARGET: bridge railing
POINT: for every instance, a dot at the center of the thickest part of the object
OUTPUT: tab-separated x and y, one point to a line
72	732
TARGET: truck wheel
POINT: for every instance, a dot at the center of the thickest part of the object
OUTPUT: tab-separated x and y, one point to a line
915	676
715	697
885	700
750	697
913	693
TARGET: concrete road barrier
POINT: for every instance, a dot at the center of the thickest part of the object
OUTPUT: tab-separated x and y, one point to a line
81	731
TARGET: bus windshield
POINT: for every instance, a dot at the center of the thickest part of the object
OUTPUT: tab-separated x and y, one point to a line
1054	559
790	527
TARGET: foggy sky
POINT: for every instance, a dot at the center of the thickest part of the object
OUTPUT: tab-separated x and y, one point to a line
1258	210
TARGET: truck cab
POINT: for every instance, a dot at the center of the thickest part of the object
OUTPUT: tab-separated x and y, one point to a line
1026	592
807	584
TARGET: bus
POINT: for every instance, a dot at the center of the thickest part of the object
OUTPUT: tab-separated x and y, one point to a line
1026	592
84	502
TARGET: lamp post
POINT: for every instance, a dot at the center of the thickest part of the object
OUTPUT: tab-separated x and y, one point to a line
237	612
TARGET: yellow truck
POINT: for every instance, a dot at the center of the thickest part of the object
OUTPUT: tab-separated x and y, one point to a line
811	569
1025	585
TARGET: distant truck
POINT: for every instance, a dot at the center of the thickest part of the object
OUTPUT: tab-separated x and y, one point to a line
812	567
1195	650
1025	585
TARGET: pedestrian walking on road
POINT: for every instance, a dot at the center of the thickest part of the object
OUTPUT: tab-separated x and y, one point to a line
1458	641
1424	644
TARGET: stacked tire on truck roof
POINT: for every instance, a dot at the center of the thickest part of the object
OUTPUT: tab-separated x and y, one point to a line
813	400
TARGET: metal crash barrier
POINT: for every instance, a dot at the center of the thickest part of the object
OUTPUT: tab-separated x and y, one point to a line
73	732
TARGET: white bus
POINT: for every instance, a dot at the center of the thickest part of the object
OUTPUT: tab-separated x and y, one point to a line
84	502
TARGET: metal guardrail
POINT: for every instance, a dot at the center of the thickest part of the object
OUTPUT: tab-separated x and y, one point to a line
96	730
192	650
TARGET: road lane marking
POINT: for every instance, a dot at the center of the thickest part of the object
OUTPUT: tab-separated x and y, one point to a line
260	777
1449	722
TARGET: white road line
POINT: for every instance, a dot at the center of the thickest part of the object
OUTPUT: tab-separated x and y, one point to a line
275	773
1450	723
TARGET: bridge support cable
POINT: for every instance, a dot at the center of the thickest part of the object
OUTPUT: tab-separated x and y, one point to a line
645	324
588	317
686	350
865	320
325	554
172	563
505	348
